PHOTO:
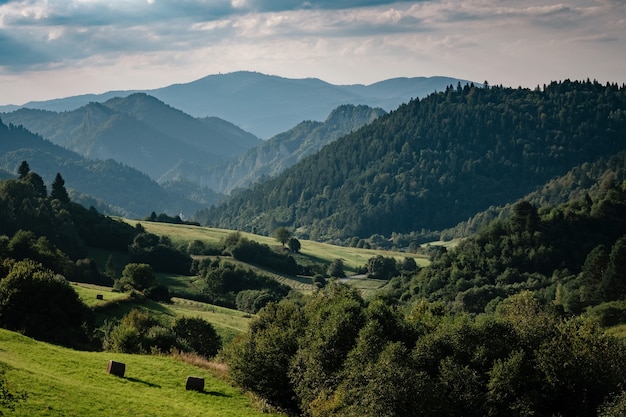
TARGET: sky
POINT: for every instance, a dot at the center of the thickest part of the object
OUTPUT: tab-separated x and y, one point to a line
59	48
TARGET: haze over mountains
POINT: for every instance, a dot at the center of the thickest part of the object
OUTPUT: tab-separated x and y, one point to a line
266	105
426	165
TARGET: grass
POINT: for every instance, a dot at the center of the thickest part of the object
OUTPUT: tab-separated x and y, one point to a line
352	258
64	382
227	322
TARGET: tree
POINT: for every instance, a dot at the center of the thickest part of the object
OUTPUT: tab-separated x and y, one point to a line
23	170
259	360
198	335
335	269
294	245
138	276
109	268
36	181
58	189
282	234
40	304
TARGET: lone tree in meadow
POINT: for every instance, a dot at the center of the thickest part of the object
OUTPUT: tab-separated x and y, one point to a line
137	276
282	234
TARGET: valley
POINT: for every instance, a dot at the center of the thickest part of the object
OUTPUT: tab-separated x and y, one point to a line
361	265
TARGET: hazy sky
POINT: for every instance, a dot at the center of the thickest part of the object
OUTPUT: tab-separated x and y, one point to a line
58	48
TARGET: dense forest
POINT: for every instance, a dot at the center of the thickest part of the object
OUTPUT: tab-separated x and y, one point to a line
435	162
511	322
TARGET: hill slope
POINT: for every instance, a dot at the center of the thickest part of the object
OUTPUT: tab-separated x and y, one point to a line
62	382
267	105
435	162
278	153
112	187
139	131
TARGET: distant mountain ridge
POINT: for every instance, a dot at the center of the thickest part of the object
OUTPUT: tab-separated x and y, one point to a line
266	105
111	187
139	131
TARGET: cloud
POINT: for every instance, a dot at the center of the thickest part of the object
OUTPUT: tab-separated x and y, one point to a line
344	39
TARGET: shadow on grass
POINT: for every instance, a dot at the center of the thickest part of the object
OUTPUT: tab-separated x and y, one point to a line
213	393
150	384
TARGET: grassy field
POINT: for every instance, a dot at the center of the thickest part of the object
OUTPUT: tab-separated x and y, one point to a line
352	258
227	322
64	382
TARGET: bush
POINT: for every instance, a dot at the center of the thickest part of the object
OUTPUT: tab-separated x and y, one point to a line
40	304
197	335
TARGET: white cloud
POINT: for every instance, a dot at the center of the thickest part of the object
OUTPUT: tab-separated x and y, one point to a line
160	42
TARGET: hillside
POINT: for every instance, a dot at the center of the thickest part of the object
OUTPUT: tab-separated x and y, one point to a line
264	104
139	131
108	185
278	153
588	180
63	382
435	162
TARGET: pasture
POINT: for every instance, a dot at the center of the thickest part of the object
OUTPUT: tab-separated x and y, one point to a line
64	382
352	258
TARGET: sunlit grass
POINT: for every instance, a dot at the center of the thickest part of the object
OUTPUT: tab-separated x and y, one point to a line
352	258
64	382
227	322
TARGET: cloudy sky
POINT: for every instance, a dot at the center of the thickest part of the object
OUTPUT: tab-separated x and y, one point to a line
58	48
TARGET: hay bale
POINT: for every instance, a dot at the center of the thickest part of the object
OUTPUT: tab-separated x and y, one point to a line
99	297
194	383
116	368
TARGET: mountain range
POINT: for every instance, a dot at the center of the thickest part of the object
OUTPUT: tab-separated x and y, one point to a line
109	186
139	131
265	105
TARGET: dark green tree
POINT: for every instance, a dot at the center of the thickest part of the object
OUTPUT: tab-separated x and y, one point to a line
335	269
614	282
137	276
336	314
23	169
58	191
37	302
259	360
36	181
294	245
198	336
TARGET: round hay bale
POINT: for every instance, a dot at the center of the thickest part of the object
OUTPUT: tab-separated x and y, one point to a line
194	383
116	368
99	297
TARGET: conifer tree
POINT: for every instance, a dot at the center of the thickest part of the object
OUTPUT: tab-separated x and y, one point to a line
23	170
58	190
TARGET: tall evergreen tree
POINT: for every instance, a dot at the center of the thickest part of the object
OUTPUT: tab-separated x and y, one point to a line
23	170
58	189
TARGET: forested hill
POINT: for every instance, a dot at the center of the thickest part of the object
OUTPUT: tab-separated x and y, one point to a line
107	185
278	153
437	161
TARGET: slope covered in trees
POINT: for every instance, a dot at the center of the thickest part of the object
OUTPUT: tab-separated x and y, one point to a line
435	162
139	131
278	153
108	185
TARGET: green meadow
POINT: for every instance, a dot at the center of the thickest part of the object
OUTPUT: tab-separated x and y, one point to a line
227	322
352	258
62	382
